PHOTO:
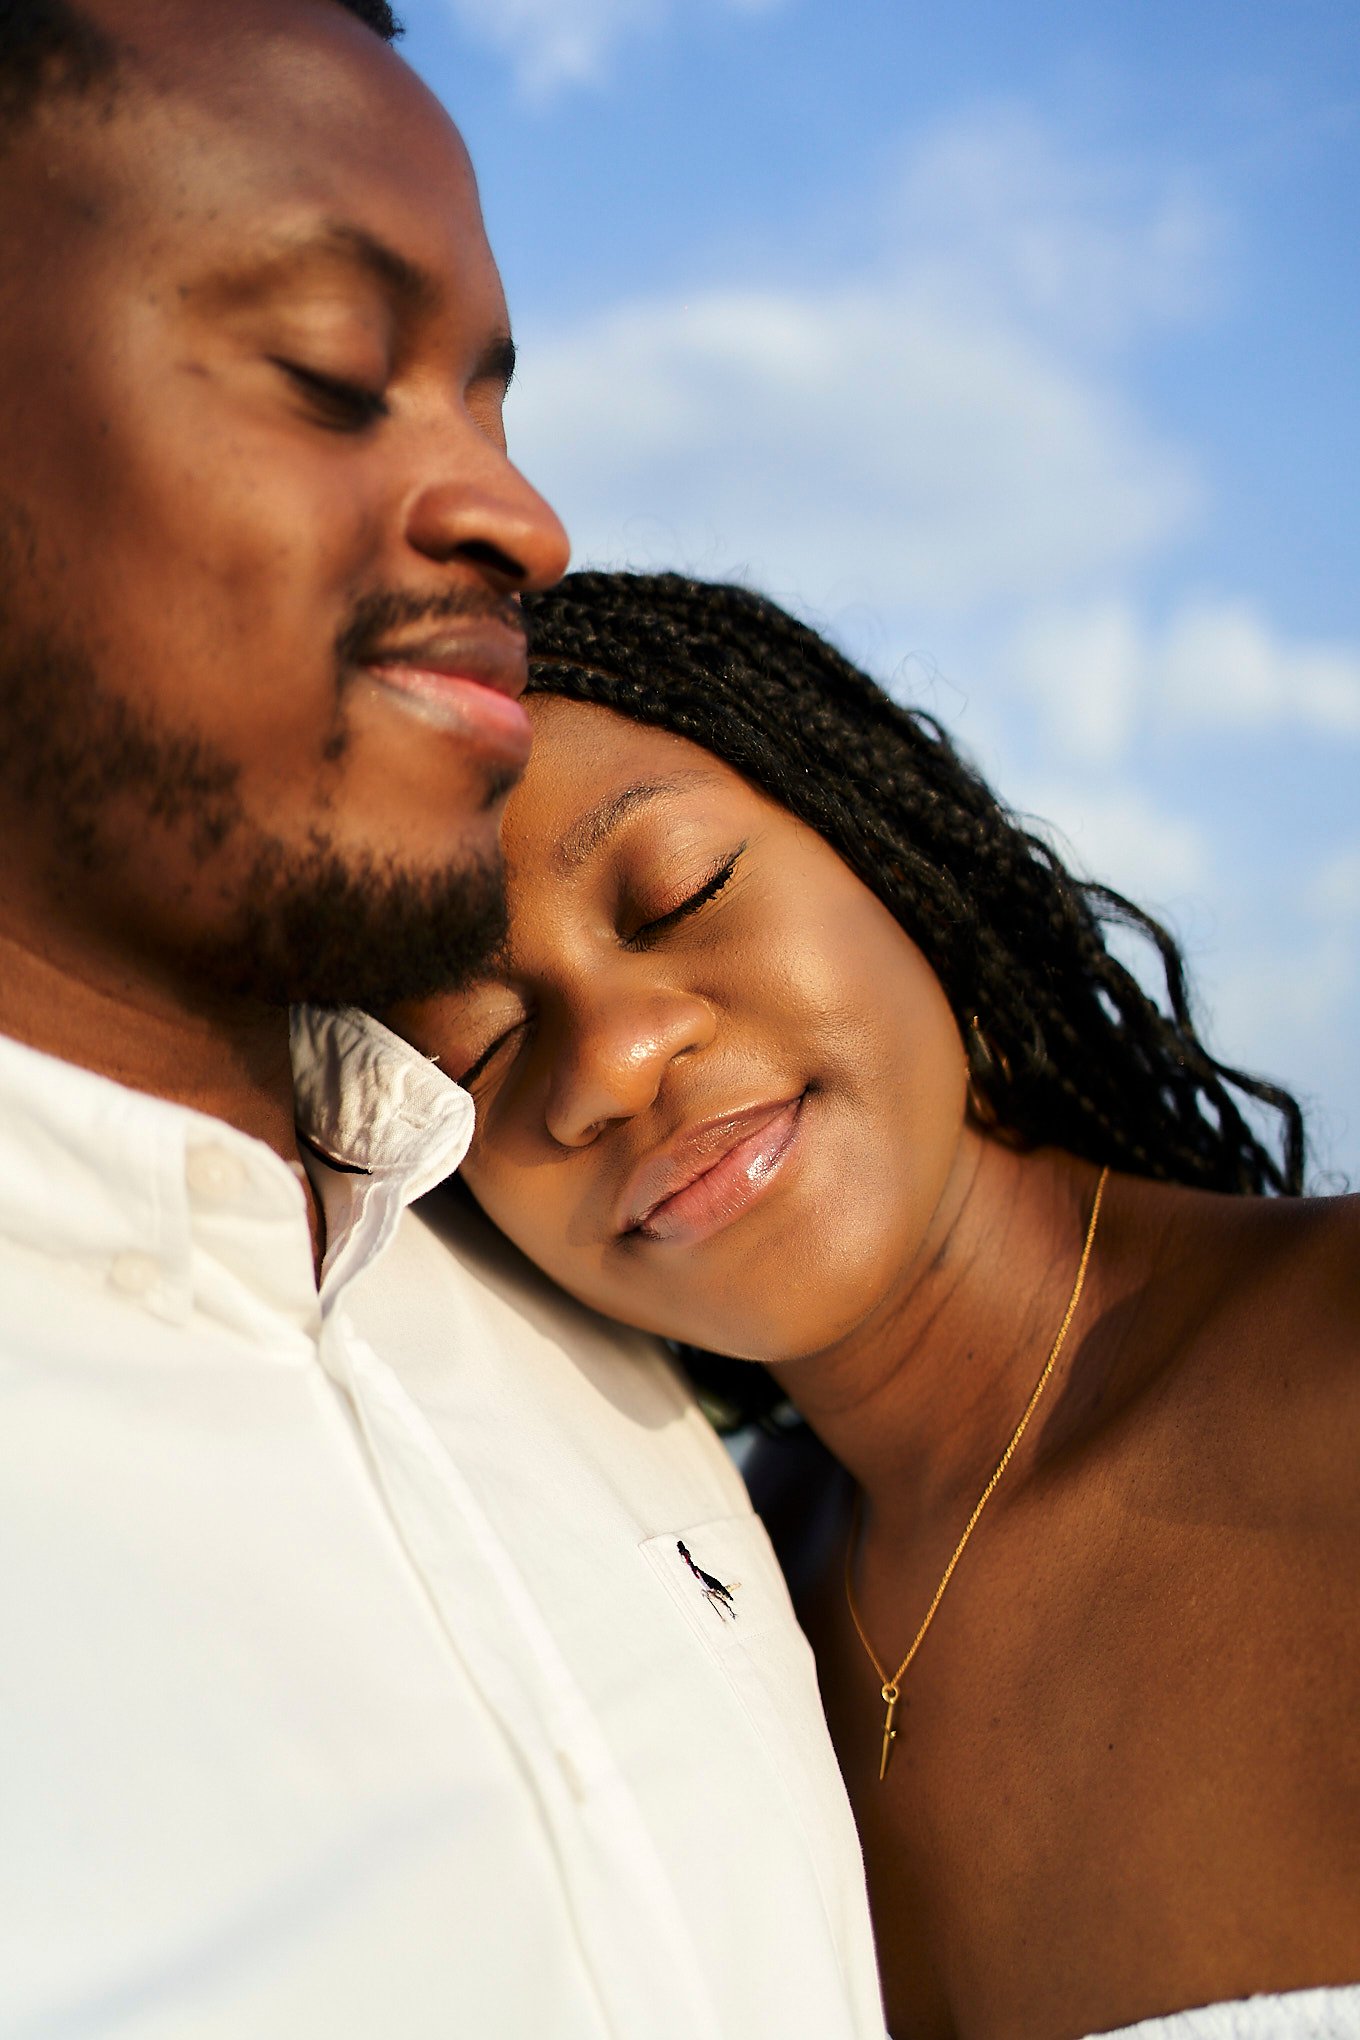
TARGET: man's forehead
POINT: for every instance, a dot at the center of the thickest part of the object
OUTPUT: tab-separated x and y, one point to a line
309	93
306	142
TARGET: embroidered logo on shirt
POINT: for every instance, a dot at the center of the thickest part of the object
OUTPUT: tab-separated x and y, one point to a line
718	1596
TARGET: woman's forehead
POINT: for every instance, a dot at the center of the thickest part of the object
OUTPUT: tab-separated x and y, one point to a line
587	759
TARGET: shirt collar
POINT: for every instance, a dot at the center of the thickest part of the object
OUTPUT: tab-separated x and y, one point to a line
369	1101
112	1178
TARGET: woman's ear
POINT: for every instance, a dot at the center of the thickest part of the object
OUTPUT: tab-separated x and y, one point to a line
988	1072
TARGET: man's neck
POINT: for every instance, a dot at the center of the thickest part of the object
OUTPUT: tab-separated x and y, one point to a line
226	1058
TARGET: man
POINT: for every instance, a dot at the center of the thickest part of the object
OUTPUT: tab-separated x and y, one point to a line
352	1684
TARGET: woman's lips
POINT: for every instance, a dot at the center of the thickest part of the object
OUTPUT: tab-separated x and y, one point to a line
750	1151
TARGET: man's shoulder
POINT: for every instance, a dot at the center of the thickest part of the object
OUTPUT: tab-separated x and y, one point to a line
448	1230
483	1339
448	1257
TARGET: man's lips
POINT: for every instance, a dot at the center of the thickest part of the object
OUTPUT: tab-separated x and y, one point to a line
710	1174
467	682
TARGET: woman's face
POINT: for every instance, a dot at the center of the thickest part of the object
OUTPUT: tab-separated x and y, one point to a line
719	1092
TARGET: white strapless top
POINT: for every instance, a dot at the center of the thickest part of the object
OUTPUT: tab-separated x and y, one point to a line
1298	2015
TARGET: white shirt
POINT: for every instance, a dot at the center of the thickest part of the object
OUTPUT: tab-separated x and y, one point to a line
351	1681
1329	2014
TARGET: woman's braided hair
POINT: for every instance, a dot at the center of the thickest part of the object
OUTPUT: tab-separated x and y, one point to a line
1065	1047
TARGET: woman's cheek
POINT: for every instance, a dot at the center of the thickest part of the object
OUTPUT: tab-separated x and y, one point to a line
532	1220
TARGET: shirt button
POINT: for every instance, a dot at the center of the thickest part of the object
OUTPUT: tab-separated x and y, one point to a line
134	1273
214	1173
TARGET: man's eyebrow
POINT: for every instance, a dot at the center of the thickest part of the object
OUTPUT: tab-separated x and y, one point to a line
599	823
405	280
276	258
414	289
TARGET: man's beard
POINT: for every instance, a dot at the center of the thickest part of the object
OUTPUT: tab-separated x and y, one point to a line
337	931
312	923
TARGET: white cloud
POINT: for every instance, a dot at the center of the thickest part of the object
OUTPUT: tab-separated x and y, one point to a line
1087	668
1100	670
1114	830
941	429
1283	1004
1222	665
1334	895
870	437
1098	249
553	44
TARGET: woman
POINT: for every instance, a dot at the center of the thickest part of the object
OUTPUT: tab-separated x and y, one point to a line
801	1052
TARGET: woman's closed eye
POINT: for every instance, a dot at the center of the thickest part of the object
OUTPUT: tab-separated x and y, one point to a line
491	1053
496	1057
341	405
650	931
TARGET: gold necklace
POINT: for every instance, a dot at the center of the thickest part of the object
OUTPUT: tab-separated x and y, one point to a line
892	1687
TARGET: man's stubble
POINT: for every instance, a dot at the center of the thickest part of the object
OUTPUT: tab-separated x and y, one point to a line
88	771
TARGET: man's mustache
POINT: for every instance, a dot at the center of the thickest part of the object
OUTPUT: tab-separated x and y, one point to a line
377	619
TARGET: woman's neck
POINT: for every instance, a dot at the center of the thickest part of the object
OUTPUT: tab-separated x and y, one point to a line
919	1402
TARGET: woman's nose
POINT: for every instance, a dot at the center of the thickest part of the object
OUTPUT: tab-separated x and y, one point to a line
617	1062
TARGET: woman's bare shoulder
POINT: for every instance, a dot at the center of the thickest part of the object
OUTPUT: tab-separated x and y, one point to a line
1282	1347
1298	1260
1236	1362
1270	1266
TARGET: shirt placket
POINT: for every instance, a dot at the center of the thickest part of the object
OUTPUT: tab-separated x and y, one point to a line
631	1931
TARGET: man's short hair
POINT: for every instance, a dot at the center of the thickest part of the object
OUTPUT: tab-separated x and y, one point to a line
50	46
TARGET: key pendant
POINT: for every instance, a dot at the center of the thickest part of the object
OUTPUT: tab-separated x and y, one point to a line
889	1732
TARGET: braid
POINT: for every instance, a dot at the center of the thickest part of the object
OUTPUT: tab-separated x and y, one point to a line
1065	1045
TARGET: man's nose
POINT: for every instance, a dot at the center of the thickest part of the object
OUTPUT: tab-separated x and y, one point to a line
472	505
617	1059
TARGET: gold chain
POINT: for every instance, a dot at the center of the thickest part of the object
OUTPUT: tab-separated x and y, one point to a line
892	1687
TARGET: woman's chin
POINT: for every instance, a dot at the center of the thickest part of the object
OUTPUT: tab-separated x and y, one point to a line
762	1327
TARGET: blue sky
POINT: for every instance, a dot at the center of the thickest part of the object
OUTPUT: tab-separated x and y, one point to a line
1013	345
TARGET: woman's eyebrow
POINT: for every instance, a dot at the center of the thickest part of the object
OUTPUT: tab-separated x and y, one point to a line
585	838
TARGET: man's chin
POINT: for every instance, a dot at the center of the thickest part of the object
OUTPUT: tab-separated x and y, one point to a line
327	931
100	779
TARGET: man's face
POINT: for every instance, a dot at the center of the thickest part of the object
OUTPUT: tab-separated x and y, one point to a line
259	537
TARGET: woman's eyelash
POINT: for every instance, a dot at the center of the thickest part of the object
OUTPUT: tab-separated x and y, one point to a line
350	405
709	890
488	1055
